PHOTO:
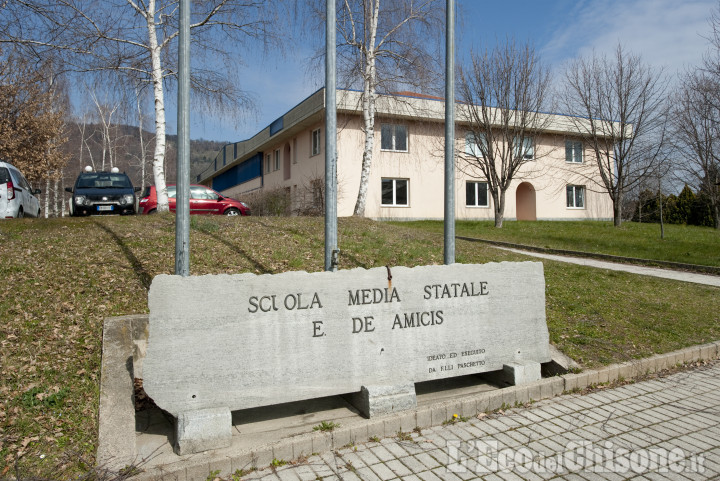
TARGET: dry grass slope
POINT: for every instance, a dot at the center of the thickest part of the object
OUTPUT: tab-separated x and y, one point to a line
62	277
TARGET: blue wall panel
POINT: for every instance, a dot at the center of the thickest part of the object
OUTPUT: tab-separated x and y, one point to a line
248	170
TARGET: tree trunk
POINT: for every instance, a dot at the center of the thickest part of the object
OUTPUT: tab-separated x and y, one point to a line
56	188
142	142
617	211
104	150
47	194
62	189
142	163
662	224
500	210
369	81
157	79
82	142
369	120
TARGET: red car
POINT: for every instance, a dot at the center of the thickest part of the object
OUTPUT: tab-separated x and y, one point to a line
203	200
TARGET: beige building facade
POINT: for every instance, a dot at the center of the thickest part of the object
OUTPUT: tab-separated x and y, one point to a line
407	174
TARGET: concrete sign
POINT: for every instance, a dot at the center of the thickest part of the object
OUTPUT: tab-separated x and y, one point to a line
230	342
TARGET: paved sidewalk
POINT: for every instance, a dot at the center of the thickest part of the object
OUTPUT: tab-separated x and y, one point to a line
706	279
664	428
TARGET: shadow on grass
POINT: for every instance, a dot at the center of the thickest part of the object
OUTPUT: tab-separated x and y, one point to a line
355	261
258	265
137	266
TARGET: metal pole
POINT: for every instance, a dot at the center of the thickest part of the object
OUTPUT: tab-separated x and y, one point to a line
331	250
450	133
182	212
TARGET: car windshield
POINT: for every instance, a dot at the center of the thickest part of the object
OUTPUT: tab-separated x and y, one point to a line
103	181
4	175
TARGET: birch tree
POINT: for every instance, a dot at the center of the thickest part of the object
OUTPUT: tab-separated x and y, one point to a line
504	92
384	47
58	103
617	104
142	157
125	40
108	128
81	124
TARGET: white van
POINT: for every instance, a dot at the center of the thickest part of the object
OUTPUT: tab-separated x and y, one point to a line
17	198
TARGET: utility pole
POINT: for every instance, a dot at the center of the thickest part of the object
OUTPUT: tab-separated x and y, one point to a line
331	249
449	227
182	211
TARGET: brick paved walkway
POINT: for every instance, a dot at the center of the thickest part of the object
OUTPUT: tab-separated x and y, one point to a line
665	428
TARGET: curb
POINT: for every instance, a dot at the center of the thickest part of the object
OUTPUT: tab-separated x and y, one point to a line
605	257
116	452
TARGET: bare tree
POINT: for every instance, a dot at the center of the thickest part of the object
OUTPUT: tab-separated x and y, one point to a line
383	47
711	60
126	40
31	119
58	103
105	110
81	124
142	156
504	92
696	125
618	107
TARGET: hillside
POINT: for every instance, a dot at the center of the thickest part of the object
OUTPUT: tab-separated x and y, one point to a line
124	151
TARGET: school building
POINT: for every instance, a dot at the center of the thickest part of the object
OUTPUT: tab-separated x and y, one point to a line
407	175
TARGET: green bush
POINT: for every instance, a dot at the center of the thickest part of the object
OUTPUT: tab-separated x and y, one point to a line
686	208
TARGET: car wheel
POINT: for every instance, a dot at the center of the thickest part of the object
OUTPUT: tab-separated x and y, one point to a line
232	212
154	211
38	213
21	213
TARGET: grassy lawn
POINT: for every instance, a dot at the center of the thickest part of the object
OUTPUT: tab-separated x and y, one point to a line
687	244
62	277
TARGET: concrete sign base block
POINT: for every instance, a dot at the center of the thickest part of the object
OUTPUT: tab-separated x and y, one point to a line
515	373
304	336
521	372
197	431
373	401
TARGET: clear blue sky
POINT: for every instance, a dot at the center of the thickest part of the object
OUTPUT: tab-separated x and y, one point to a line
667	33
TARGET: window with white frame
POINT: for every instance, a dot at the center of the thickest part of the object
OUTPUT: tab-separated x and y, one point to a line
476	194
574	151
395	192
576	196
524	149
394	137
474	144
315	142
277	160
268	163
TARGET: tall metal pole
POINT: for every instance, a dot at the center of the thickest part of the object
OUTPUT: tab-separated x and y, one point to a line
182	212
331	250
450	133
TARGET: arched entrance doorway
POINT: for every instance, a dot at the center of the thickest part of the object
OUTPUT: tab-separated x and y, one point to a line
525	202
